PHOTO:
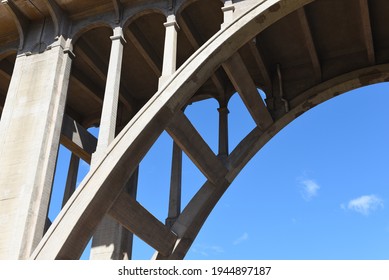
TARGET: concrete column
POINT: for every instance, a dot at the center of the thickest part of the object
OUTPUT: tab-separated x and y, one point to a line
110	240
30	129
170	49
175	186
132	189
111	96
228	12
71	180
223	132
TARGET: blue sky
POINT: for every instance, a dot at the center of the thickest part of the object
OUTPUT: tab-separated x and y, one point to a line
318	190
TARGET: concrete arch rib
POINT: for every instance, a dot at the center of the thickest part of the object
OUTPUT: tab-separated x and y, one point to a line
194	215
97	193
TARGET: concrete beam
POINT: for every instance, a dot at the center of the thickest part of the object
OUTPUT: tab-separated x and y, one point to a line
193	217
367	32
175	186
118	10
137	38
6	67
4	74
195	40
133	216
261	65
88	55
88	86
77	139
71	180
20	20
58	16
244	85
308	39
191	142
90	58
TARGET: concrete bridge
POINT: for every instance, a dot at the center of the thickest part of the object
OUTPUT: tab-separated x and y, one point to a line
130	67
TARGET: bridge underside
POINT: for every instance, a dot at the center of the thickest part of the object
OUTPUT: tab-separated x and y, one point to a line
131	68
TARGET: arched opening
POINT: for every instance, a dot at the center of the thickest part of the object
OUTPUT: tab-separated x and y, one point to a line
317	190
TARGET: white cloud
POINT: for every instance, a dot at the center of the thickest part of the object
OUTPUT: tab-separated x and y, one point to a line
309	189
364	204
206	250
242	238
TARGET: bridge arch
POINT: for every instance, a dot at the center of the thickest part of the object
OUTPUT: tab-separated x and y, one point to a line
74	225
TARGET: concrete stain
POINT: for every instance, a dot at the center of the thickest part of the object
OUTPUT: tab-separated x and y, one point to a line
275	8
260	19
368	78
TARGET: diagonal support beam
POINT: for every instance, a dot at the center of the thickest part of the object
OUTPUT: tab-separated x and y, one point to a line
137	38
243	83
190	141
7	67
87	85
134	217
77	139
367	31
310	44
261	65
4	74
87	54
194	38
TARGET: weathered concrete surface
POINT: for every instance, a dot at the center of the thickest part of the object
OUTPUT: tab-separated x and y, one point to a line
30	130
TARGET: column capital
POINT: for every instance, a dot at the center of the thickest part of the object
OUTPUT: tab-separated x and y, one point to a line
228	13
171	21
223	110
118	35
228	8
68	49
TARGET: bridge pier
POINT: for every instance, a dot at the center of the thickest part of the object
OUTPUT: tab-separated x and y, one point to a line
30	132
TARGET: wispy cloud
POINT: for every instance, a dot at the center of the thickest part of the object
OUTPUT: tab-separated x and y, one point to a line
206	250
364	204
309	189
242	238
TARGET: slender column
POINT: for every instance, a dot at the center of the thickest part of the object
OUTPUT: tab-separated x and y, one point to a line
175	186
170	49
132	189
228	12
111	96
223	132
110	239
71	181
30	130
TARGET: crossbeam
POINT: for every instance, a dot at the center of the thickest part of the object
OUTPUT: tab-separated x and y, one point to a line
190	141
243	83
77	139
144	48
134	217
367	32
308	39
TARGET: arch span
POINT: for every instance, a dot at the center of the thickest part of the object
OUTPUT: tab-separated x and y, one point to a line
102	188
